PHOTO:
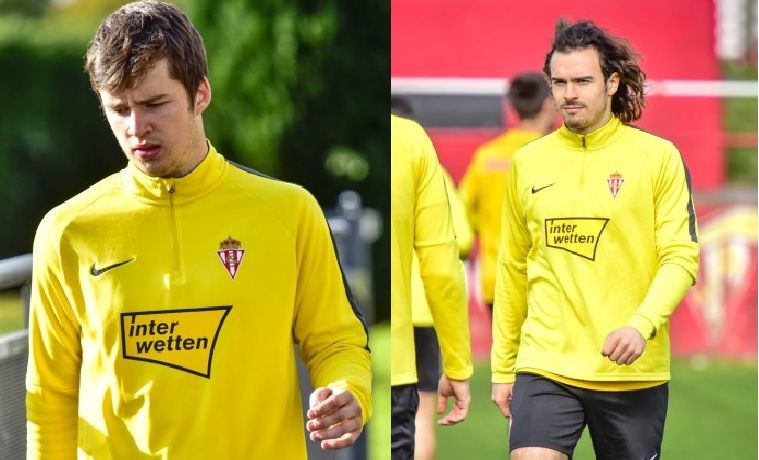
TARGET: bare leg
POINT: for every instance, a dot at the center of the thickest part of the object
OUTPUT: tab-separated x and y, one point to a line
424	437
537	453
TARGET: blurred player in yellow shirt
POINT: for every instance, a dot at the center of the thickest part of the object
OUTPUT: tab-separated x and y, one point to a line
484	183
421	223
425	340
426	347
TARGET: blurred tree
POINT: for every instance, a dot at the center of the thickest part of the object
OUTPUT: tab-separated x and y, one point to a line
88	8
300	91
251	49
24	7
54	142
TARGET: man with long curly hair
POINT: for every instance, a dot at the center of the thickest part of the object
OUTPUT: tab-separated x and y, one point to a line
599	245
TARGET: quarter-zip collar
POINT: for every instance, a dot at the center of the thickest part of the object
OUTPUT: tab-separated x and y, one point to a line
596	140
155	190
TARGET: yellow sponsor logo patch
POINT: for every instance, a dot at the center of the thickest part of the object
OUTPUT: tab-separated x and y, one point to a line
578	235
182	339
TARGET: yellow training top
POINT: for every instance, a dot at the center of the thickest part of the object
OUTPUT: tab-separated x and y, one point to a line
599	233
420	310
483	187
421	221
164	313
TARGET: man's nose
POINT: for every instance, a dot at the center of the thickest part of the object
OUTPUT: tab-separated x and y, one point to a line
571	92
138	124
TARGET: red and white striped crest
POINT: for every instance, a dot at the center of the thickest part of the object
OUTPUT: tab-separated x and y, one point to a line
615	182
231	253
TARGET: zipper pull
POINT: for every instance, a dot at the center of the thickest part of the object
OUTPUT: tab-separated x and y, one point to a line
583	143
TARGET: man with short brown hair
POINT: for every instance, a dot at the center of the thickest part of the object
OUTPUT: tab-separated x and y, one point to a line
166	298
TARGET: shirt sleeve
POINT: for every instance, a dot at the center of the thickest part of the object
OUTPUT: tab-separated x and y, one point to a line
328	326
439	265
55	357
676	244
468	191
510	305
461	227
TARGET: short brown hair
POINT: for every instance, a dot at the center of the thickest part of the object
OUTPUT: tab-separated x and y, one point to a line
132	39
527	94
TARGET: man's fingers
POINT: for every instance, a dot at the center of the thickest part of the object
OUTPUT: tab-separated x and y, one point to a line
442	402
456	415
346	412
333	402
624	346
501	395
503	406
335	419
318	395
609	345
629	357
624	353
345	440
338	431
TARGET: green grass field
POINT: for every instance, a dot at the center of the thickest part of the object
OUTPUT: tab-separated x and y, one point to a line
11	313
712	415
379	426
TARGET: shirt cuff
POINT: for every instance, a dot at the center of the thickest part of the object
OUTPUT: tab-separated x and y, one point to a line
643	326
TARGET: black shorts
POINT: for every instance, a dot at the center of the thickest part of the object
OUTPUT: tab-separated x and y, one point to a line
427	353
404	403
622	424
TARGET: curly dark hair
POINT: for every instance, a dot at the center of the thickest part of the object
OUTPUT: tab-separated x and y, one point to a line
616	54
131	40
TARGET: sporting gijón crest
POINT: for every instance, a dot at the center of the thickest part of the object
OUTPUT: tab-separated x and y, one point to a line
231	252
615	182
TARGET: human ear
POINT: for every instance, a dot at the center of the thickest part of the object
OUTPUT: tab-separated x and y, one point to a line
202	96
612	84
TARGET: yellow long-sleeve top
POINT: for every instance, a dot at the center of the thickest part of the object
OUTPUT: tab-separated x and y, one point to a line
420	309
164	312
421	221
599	232
482	188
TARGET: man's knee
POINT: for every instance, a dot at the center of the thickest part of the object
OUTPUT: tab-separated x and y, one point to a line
537	453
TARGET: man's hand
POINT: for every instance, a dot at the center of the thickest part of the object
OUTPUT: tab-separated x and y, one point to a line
624	345
334	418
501	396
459	389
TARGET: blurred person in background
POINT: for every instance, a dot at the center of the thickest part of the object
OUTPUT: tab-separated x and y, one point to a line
599	245
167	297
484	183
421	224
426	347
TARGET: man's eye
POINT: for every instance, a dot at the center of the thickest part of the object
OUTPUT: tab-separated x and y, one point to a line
153	105
121	110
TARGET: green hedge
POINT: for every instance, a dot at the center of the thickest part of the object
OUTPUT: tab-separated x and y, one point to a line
54	141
